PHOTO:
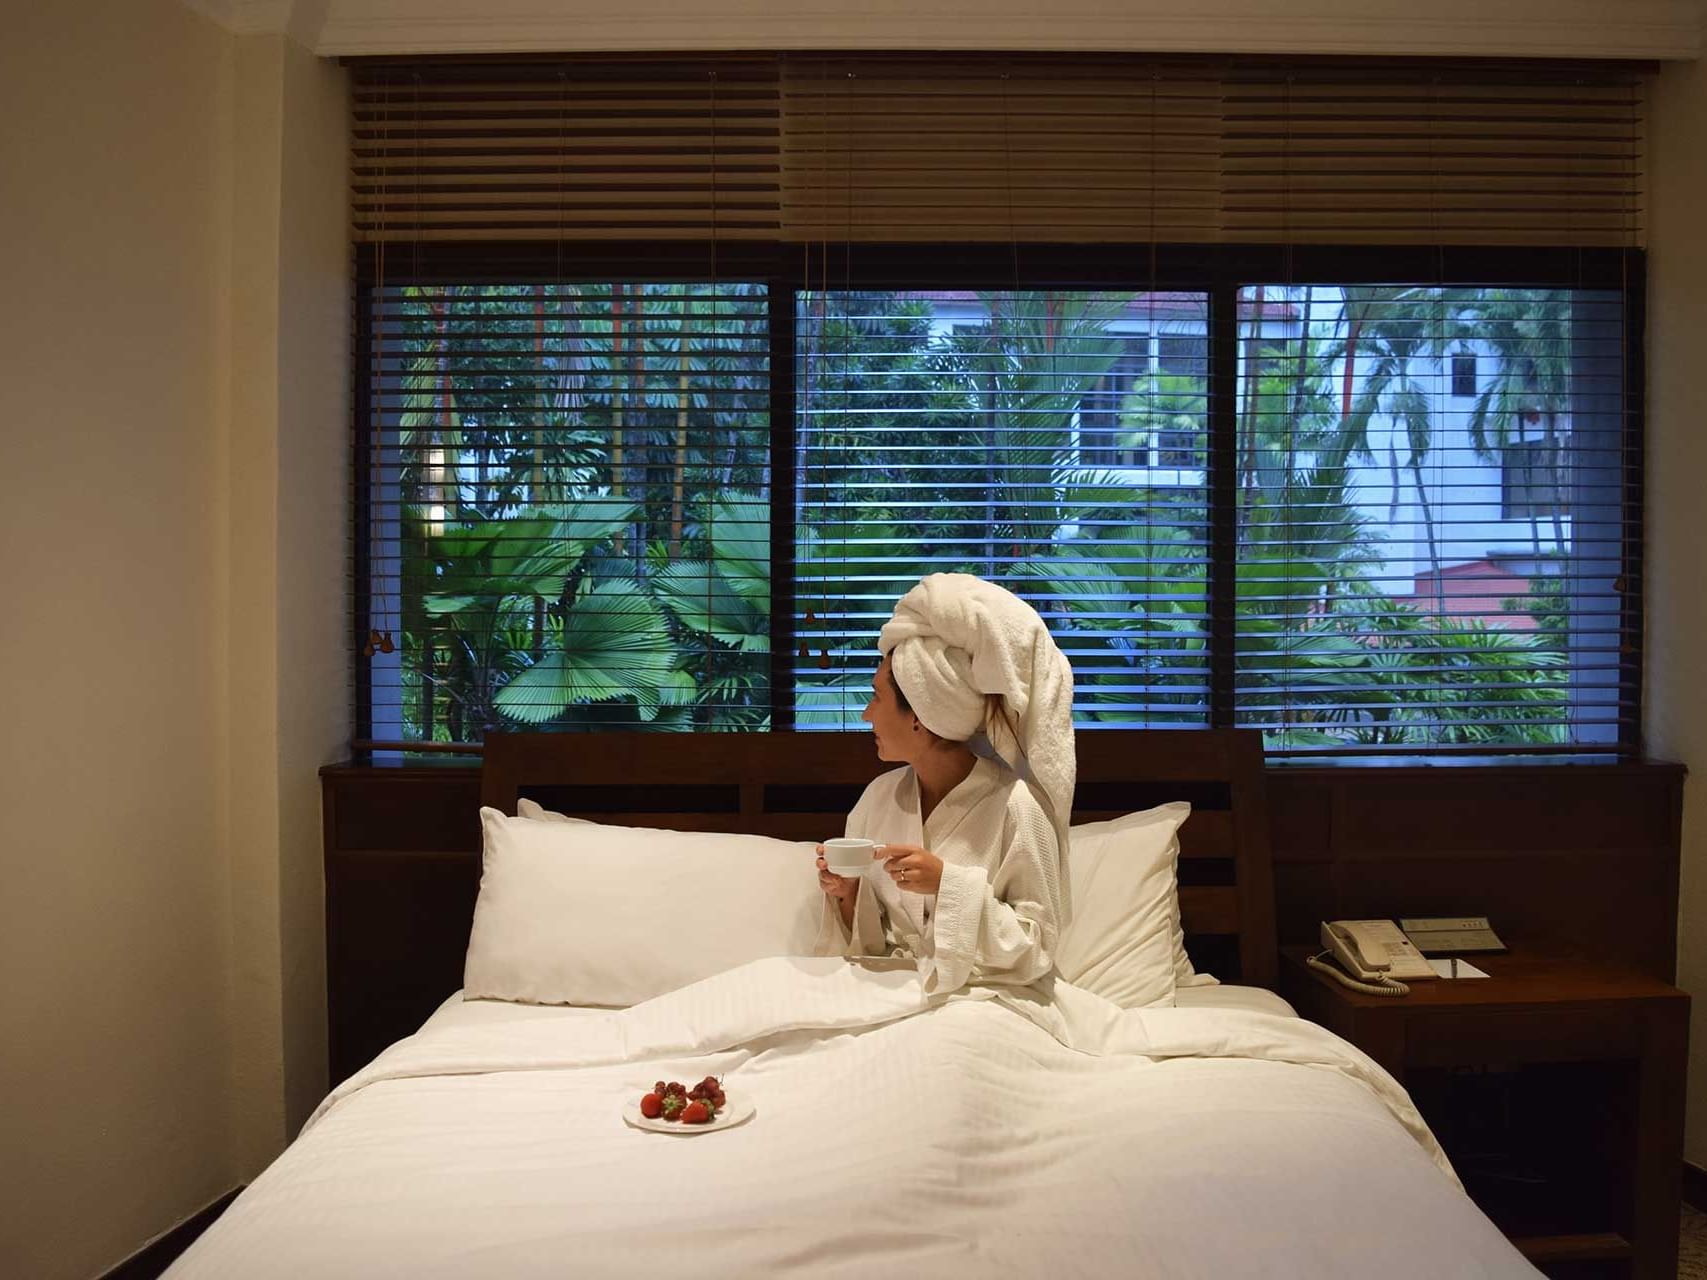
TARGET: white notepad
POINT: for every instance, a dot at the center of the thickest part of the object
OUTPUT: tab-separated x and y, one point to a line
1449	968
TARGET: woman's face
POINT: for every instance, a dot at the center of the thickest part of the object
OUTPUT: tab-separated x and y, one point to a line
890	724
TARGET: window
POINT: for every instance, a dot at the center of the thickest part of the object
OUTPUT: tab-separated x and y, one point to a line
1464	374
1140	415
1179	400
569	512
1532	480
1107	435
1411	575
935	433
678	370
572	504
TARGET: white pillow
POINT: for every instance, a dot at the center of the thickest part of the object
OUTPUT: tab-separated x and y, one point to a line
1134	838
526	808
1124	940
588	914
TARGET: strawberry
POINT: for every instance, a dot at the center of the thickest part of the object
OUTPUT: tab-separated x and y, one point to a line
651	1105
696	1113
673	1105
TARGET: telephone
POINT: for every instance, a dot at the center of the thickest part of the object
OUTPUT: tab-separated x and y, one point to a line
1373	956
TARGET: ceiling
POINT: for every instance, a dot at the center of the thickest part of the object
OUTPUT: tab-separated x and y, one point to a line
1640	29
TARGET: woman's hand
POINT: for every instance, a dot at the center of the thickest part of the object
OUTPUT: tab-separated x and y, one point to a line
841	888
914	869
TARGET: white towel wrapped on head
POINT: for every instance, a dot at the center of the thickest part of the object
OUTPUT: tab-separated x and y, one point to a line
955	638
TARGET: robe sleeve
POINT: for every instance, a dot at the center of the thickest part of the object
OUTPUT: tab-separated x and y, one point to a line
867	937
1000	929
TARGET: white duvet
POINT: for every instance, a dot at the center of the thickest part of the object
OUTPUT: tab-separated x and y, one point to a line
895	1135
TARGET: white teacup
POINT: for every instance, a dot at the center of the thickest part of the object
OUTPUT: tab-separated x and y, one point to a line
848	855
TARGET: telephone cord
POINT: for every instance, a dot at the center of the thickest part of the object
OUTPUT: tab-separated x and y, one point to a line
1387	987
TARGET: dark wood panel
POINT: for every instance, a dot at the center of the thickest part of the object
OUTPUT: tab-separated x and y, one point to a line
1305	894
397	931
1300	814
1208	833
1592	1033
1472	813
1106	776
1208	909
395	809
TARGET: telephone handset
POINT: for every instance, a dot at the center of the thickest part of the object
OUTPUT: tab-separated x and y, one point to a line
1373	956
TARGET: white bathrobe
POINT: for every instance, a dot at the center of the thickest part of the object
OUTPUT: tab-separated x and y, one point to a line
998	913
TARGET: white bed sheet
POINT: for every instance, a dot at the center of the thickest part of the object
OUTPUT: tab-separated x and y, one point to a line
893	1137
455	1011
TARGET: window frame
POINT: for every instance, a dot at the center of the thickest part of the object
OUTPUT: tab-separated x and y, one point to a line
1218	270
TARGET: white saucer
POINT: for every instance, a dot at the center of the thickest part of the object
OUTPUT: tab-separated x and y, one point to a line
737	1112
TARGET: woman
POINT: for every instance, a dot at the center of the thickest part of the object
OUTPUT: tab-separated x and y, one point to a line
975	699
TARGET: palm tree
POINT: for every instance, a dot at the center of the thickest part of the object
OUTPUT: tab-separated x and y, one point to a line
1042	353
1399	331
1288	420
1529	332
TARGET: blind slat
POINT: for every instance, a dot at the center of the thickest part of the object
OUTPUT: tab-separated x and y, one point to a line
877	147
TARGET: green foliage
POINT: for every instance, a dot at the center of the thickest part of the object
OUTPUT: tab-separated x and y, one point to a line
1168	410
1549	606
566	456
585	512
1135	626
611	645
1373	672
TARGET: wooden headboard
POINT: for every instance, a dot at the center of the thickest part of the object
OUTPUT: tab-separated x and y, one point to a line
1549	851
800	786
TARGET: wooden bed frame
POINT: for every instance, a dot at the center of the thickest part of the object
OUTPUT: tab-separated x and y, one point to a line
800	786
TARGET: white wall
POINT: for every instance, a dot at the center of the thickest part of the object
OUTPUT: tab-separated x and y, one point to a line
115	916
288	471
1676	692
313	696
174	324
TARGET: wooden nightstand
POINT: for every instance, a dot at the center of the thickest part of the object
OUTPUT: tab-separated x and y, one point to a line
1541	1006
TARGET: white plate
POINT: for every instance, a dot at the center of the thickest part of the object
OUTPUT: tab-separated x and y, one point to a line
738	1111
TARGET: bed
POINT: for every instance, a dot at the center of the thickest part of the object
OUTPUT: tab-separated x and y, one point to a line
1211	1133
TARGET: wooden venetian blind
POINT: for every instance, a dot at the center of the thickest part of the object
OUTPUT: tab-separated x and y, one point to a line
997	149
1355	153
532	150
967	148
